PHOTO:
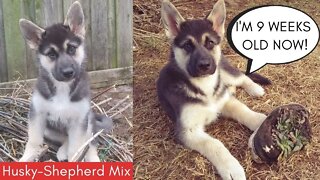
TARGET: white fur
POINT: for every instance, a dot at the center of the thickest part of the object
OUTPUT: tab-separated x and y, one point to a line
216	53
181	58
243	81
206	84
195	116
48	64
61	109
80	54
60	106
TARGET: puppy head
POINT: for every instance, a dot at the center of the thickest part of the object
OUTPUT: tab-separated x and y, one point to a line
195	43
61	46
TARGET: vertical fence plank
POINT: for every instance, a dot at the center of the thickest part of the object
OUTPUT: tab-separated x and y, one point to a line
86	6
3	58
124	32
52	11
39	14
112	34
99	30
29	12
14	42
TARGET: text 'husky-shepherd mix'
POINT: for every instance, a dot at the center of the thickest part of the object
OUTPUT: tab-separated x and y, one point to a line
193	88
60	106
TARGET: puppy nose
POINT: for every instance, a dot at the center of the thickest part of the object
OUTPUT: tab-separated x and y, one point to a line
68	72
204	65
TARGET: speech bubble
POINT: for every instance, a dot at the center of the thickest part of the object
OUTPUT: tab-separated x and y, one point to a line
272	35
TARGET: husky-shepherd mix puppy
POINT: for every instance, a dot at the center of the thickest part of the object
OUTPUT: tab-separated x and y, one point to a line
193	86
60	106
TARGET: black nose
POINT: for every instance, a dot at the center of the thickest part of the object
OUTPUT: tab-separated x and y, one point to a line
204	65
68	72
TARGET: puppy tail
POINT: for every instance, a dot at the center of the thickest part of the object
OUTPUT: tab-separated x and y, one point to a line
259	79
103	122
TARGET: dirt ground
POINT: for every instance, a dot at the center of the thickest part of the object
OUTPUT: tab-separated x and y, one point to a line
158	156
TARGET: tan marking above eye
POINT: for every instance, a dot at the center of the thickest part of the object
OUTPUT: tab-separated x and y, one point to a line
51	46
206	36
65	44
188	38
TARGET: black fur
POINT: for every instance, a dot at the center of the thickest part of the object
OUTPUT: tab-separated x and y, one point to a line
201	61
57	34
45	85
171	88
230	69
257	78
196	28
80	87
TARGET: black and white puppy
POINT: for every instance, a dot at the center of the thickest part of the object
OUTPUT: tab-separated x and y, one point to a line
60	105
193	88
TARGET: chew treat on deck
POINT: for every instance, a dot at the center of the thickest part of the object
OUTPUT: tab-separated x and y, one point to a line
285	131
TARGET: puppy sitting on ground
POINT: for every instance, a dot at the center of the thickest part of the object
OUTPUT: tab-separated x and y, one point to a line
193	86
60	105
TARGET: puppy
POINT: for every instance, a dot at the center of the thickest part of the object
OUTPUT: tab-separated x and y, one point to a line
60	105
193	86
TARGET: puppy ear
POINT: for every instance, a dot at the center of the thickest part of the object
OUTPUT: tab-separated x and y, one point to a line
171	19
75	19
218	16
31	33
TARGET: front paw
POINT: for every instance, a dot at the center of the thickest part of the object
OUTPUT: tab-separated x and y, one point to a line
62	154
26	158
256	121
231	170
255	90
31	152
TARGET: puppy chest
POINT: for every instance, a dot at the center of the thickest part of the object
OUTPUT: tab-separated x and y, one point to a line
65	109
60	108
193	115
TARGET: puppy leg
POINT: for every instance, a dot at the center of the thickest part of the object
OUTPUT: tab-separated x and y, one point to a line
243	81
227	166
92	154
233	77
76	138
251	87
240	112
190	129
62	153
36	130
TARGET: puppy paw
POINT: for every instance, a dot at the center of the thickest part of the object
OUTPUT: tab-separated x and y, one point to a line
256	120
31	152
27	158
62	154
255	90
231	170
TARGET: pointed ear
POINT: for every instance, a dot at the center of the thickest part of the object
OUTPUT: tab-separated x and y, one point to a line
75	19
171	19
218	16
31	33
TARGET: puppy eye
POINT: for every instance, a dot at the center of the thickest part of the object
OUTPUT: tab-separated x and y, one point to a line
209	44
71	50
188	46
52	55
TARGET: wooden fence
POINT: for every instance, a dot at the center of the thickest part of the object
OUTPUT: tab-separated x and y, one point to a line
108	34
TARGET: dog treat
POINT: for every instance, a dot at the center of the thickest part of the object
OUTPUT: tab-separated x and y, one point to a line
285	131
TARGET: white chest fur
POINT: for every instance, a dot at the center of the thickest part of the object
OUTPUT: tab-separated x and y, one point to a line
200	114
206	84
59	107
